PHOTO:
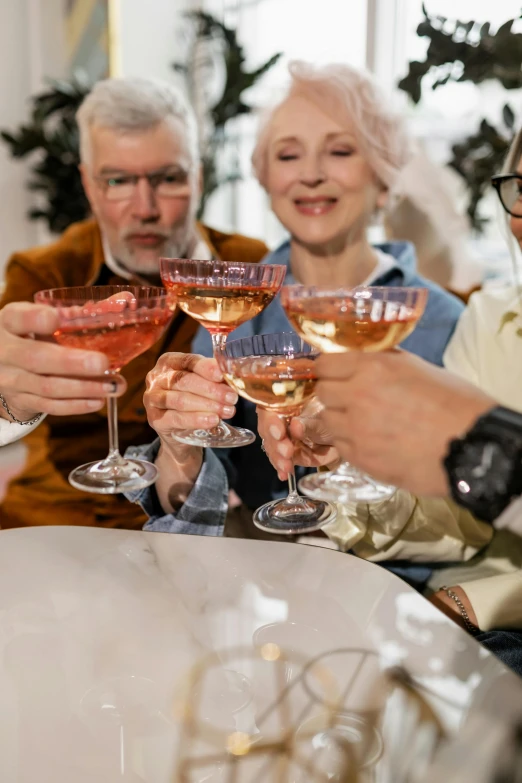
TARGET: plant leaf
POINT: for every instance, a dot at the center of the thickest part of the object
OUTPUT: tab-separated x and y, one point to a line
509	116
506	319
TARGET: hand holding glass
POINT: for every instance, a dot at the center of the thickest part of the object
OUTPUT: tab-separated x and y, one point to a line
277	372
358	319
121	322
221	295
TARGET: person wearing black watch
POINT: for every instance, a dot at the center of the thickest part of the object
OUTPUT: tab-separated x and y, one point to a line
484	467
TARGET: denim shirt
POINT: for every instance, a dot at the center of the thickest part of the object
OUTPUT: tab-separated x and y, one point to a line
431	334
248	469
205	508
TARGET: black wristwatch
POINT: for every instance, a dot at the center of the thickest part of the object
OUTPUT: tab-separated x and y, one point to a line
484	467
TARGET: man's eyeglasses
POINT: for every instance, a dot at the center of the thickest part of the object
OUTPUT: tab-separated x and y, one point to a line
169	183
509	189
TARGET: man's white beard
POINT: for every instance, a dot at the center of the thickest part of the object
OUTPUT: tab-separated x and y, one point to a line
179	245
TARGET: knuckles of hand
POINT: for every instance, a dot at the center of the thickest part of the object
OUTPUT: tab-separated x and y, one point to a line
172	370
46	386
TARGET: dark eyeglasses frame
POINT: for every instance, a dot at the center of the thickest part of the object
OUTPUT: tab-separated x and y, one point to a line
497	182
153	178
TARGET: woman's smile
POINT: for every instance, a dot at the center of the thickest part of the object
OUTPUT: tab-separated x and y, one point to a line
315	206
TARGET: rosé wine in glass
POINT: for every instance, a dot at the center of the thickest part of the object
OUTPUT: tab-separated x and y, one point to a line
221	310
277	372
121	322
221	295
367	319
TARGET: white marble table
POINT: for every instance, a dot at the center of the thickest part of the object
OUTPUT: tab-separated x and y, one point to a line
100	630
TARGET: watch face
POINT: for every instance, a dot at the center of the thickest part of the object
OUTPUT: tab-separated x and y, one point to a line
483	469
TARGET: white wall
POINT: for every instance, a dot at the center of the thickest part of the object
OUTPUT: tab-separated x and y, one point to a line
31	43
15	232
150	36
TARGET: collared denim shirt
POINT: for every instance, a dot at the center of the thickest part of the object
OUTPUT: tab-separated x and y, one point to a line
204	510
248	470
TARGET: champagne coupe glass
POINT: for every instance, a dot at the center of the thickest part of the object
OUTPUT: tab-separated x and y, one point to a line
121	322
221	295
367	319
277	372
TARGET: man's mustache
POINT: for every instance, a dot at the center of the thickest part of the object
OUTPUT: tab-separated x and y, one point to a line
145	231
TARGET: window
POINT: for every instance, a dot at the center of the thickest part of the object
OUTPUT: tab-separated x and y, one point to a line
333	30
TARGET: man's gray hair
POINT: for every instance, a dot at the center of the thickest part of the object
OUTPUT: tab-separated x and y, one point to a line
133	105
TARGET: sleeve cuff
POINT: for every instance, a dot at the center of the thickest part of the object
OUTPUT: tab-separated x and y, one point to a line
204	510
496	600
10	431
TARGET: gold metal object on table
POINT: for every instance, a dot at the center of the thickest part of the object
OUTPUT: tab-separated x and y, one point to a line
263	754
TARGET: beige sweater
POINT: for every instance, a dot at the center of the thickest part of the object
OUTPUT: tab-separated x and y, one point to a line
437	530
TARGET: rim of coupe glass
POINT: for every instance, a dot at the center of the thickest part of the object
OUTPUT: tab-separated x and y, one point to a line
297	288
212	262
157	293
224	359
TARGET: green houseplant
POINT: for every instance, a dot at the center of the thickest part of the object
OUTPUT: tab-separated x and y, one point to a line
469	51
50	136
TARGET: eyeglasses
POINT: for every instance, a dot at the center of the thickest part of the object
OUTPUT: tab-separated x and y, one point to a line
509	189
169	183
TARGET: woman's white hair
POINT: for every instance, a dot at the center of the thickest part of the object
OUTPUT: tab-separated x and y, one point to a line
352	96
131	105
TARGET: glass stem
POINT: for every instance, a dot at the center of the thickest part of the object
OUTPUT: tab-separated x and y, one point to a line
293	494
218	342
114	455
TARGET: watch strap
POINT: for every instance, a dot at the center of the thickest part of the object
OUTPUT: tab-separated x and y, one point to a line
504	427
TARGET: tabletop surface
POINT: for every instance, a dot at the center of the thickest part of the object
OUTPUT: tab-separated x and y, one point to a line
115	643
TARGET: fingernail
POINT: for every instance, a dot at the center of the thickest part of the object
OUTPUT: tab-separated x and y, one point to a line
228	410
95	405
283	449
217	374
110	388
274	432
231	397
209	421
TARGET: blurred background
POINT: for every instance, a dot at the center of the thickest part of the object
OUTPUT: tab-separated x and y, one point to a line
454	66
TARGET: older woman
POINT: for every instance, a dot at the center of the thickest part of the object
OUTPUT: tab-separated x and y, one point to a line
329	156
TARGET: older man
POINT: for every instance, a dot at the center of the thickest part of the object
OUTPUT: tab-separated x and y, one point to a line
140	170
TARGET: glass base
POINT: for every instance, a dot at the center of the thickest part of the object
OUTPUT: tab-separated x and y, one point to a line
353	487
107	478
223	436
325	737
291	518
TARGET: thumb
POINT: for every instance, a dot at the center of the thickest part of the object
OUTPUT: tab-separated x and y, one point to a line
310	430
